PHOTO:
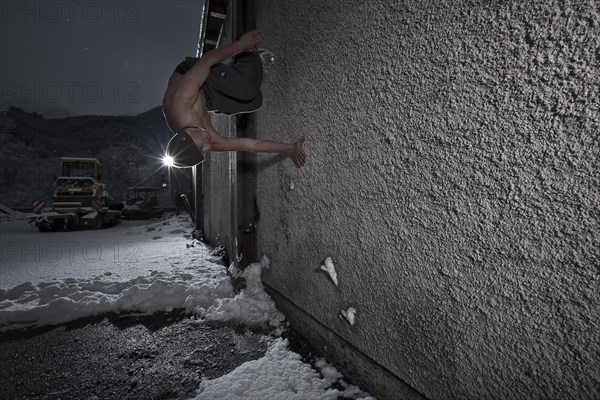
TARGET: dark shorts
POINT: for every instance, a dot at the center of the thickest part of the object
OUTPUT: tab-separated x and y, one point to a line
231	88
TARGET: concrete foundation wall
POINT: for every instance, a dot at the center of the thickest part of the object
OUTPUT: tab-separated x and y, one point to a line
454	179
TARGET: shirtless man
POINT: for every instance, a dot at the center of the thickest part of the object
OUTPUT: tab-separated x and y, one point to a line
193	90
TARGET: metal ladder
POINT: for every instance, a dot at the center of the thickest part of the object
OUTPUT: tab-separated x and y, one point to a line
214	13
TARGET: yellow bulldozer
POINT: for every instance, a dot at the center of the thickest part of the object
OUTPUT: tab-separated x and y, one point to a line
79	199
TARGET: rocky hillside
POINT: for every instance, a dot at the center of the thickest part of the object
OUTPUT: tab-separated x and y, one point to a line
129	149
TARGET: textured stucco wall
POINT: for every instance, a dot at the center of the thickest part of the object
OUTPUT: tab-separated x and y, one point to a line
453	178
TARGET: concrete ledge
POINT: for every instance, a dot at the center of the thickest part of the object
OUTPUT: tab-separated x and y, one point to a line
355	365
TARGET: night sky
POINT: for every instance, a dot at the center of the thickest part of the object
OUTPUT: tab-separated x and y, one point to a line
103	57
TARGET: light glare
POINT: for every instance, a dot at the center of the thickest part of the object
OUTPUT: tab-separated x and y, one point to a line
168	161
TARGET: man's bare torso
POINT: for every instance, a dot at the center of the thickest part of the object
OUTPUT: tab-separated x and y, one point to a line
180	115
189	114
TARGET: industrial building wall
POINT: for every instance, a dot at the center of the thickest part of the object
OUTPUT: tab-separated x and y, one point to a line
218	191
454	180
225	191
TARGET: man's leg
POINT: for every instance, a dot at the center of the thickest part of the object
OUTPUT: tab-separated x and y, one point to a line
241	79
235	88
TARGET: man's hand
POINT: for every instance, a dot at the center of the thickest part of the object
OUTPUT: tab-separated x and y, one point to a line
250	39
299	155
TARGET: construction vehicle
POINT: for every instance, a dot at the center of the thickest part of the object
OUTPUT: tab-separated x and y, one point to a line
79	199
142	203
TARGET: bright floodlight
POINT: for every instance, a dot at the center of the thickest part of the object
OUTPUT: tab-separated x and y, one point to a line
168	161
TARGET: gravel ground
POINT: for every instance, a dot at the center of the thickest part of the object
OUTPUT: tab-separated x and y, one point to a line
158	357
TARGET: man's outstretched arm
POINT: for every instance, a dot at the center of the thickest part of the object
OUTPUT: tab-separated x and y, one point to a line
294	150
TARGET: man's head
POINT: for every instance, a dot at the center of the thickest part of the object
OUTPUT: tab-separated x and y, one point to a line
200	138
187	150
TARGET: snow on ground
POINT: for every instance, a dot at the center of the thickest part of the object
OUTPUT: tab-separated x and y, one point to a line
252	305
124	252
280	375
146	267
8	214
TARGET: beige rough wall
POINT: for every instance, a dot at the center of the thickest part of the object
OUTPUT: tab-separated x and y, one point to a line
454	178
